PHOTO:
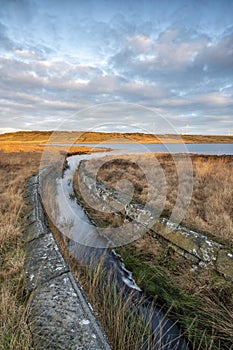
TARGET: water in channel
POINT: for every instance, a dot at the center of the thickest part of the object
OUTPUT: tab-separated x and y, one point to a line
89	248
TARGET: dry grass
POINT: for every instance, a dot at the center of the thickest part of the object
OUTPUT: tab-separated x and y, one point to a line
155	182
35	148
15	167
98	137
211	207
125	329
17	163
14	330
198	297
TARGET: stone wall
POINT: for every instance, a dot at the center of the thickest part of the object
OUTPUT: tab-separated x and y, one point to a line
60	315
191	244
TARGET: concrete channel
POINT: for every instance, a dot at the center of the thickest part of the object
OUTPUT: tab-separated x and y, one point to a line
60	315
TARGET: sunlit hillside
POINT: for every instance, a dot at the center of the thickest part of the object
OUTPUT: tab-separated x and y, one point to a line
42	137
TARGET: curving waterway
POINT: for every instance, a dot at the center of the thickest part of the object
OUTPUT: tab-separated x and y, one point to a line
89	247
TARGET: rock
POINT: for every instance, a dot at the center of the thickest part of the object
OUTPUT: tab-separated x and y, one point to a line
61	319
43	261
224	263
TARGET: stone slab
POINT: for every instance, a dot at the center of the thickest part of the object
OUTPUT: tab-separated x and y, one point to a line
43	261
61	318
35	230
225	263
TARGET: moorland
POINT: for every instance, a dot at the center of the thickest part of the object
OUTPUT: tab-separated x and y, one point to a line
198	297
64	137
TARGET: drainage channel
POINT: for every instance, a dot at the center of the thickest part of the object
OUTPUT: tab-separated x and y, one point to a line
89	247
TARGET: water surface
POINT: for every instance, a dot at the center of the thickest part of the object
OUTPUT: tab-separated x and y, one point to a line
202	148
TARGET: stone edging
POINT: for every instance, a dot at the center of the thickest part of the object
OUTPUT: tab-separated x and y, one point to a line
60	316
193	245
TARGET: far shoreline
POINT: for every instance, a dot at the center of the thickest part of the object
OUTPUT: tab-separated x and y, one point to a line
87	137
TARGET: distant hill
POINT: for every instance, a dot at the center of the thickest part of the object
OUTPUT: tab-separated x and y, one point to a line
66	137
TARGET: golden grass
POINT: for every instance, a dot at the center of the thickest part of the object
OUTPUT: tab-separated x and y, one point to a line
210	209
15	167
17	163
125	329
22	147
14	330
200	298
98	137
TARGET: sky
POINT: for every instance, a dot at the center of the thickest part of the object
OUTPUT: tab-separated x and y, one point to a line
117	65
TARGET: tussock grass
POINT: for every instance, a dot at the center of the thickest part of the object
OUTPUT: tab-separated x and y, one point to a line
201	301
16	167
211	208
14	330
126	330
97	137
197	296
211	204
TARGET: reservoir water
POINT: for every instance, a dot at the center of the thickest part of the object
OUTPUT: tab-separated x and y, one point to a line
204	148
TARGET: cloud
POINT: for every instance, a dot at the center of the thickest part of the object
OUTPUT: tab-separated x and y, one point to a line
216	99
178	47
57	59
5	42
173	52
25	53
6	130
217	57
140	43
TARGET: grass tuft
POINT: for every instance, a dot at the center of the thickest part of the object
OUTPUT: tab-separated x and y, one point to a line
14	308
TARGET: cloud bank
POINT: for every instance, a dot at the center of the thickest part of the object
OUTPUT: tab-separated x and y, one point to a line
58	58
